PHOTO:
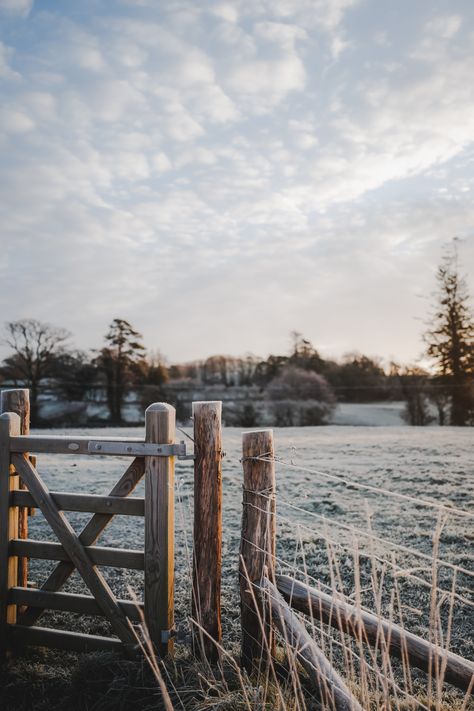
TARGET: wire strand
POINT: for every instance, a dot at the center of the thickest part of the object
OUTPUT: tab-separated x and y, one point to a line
368	487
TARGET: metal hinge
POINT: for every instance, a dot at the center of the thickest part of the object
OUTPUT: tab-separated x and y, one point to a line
166	635
138	449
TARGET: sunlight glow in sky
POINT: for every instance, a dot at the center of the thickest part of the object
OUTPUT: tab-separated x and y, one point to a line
222	173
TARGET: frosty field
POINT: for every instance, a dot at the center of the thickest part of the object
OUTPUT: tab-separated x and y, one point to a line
322	523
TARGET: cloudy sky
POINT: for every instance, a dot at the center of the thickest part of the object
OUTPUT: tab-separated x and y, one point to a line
221	173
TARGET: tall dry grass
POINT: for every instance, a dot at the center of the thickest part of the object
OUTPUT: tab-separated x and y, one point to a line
377	681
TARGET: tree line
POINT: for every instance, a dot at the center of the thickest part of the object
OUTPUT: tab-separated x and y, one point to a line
42	355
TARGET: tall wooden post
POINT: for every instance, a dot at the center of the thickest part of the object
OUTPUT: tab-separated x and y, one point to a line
18	401
9	427
207	550
159	529
257	547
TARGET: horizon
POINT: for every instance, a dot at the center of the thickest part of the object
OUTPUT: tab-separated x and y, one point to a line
223	173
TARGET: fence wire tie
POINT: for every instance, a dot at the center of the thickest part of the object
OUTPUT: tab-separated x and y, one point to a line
268	493
264	457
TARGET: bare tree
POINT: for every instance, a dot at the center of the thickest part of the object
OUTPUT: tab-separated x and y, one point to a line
450	337
35	347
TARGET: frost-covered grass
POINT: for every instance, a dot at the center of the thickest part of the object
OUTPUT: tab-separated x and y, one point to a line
321	534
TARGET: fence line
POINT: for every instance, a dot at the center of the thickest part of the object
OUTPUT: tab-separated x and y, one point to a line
405	549
403	572
458	670
377	490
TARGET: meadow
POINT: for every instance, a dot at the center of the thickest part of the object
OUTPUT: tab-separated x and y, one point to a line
375	513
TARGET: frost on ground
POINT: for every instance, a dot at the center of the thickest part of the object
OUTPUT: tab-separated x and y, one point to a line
322	524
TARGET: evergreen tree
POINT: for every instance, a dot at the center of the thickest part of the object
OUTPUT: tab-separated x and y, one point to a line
450	337
119	362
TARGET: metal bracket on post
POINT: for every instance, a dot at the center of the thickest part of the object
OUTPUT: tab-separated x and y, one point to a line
137	449
166	635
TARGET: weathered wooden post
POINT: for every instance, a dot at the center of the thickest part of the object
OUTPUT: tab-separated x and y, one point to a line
257	547
207	551
9	427
159	529
18	401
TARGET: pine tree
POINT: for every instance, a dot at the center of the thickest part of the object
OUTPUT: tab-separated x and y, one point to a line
450	337
119	363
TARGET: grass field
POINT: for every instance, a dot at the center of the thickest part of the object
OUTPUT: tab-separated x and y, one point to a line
350	538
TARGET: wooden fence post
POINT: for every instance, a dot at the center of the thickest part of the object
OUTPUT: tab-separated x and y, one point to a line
9	427
207	550
18	401
257	547
159	529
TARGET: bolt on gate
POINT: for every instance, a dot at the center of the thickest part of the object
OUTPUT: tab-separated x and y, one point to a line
21	487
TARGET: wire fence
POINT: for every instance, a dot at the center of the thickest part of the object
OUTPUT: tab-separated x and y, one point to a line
417	586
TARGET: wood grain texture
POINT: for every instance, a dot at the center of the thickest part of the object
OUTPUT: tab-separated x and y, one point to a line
59	444
159	529
370	628
257	547
90	533
75	550
89	503
207	540
69	602
9	425
18	401
20	636
99	555
334	692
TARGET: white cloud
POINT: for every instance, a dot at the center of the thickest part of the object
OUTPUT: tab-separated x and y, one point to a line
180	126
270	80
258	145
16	7
161	163
225	11
445	26
13	121
6	71
284	35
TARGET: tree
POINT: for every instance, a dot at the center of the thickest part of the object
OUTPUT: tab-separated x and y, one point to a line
153	375
304	354
300	397
35	347
450	336
414	385
358	379
119	362
75	375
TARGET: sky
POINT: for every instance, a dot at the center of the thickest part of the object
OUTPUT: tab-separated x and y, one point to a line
223	173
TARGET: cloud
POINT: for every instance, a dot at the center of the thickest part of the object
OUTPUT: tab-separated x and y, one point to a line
13	121
311	155
445	26
225	11
16	7
270	80
6	71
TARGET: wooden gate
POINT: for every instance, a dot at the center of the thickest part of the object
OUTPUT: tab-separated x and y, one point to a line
20	605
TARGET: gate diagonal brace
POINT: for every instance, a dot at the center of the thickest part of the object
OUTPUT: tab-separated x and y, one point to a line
75	550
